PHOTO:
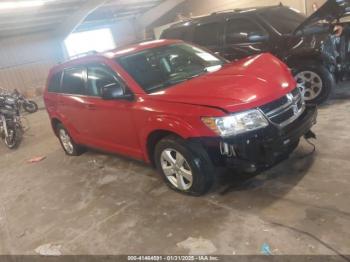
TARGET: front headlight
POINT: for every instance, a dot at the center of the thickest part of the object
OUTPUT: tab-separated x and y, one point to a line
237	123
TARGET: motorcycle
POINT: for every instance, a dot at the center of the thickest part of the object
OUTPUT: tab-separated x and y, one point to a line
11	130
22	102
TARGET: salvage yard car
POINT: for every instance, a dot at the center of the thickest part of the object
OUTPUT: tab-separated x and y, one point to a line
306	45
180	108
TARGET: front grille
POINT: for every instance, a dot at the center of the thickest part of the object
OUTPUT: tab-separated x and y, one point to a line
286	109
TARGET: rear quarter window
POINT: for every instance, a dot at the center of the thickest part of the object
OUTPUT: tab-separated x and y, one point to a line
55	83
207	34
177	33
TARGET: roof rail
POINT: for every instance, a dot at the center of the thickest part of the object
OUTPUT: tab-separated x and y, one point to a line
187	19
92	52
244	9
225	11
140	41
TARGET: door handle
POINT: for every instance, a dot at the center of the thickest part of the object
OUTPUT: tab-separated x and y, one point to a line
91	107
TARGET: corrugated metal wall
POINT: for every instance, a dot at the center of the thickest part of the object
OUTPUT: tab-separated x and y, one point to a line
26	60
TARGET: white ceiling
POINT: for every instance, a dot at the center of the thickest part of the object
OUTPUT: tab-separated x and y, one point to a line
53	13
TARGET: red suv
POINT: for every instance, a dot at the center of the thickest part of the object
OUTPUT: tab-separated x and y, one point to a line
180	108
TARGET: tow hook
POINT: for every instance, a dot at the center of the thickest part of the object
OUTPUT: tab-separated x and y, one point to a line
227	150
310	135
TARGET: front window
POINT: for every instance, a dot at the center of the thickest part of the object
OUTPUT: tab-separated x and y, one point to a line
285	20
239	29
99	77
162	67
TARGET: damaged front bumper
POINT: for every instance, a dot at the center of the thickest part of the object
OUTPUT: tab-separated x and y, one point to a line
262	148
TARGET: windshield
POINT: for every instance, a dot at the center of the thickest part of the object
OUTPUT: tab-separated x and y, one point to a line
285	20
159	68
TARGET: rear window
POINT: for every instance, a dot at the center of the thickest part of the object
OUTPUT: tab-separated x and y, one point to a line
207	34
176	33
74	81
55	83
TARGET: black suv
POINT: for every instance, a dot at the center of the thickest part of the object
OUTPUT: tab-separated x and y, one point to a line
306	45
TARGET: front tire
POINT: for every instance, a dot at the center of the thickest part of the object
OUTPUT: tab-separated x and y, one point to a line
185	167
30	107
67	143
315	82
14	139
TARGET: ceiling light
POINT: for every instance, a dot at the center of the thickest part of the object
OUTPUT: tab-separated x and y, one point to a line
20	4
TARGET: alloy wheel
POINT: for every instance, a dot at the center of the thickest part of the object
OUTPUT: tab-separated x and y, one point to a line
66	141
176	169
310	84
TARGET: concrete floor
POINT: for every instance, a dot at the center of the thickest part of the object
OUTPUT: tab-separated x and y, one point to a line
103	204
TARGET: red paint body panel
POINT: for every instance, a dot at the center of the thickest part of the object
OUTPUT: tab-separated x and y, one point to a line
238	86
123	126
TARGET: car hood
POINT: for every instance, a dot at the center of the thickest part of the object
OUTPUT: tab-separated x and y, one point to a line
330	11
241	85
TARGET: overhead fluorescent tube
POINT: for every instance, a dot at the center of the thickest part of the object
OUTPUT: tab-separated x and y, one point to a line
20	4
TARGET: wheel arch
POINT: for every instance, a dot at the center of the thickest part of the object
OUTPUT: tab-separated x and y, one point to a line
311	58
54	122
152	140
158	127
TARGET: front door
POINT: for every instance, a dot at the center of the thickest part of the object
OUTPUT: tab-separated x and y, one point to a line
111	121
243	37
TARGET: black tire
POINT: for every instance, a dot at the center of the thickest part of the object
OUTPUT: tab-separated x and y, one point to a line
198	161
13	141
327	79
77	150
30	106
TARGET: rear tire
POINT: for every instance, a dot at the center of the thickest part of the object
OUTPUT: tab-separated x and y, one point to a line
315	82
69	146
185	167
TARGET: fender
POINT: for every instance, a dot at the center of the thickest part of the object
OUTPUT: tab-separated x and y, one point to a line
166	123
311	56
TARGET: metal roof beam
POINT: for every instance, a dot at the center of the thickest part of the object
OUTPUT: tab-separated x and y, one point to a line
157	12
78	17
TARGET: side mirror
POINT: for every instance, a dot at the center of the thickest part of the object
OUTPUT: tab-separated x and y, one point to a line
256	37
114	91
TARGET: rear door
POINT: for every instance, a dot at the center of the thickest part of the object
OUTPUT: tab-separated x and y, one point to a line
52	93
71	105
244	37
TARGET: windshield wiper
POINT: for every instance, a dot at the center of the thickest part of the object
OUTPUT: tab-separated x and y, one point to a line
174	82
202	72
